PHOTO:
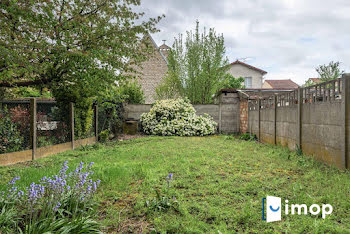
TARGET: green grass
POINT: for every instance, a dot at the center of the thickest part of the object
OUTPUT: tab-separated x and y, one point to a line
219	182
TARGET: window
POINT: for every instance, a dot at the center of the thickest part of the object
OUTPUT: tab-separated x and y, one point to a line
248	82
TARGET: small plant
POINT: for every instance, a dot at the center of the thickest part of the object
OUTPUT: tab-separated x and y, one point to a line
298	150
248	137
163	203
104	136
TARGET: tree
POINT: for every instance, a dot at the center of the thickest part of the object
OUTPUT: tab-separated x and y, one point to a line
70	42
76	48
329	72
196	67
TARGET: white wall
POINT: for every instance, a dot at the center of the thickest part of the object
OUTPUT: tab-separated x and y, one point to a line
239	70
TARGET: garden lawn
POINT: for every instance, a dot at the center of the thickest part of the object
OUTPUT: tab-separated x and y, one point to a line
218	182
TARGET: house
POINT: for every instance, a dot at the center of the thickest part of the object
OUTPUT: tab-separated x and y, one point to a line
287	84
253	76
314	80
153	70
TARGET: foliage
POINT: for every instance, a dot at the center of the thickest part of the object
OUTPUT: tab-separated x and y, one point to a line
163	203
248	137
196	67
75	48
61	203
131	92
75	42
176	117
11	139
31	92
103	136
83	103
329	72
230	82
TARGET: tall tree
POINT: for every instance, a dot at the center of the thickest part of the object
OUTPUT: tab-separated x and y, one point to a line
329	72
76	48
69	42
197	66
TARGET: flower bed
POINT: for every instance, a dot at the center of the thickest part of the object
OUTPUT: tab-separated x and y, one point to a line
61	203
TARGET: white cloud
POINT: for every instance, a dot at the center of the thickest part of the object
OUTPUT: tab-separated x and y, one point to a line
287	38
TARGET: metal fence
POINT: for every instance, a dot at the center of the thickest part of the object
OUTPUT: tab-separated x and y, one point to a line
34	123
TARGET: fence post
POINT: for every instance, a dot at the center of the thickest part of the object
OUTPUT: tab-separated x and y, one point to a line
274	119
33	126
71	115
220	112
345	112
259	107
299	117
96	121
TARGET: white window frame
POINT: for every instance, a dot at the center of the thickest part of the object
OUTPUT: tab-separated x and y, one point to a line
246	83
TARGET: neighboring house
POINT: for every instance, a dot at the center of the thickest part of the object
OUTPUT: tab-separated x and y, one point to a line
314	80
253	76
153	70
280	84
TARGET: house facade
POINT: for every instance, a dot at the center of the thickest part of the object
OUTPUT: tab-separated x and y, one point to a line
153	70
253	76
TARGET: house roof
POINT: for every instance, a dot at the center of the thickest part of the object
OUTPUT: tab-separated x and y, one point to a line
249	66
156	46
315	80
282	84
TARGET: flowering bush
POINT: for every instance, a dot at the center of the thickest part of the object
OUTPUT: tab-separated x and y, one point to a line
61	203
176	117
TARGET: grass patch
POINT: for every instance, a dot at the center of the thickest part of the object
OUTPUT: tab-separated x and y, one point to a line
218	183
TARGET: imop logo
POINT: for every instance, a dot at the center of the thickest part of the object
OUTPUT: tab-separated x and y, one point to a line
273	209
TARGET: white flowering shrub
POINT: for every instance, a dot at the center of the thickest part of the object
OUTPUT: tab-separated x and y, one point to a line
176	117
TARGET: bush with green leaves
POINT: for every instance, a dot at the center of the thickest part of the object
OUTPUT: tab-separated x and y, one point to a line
176	117
10	135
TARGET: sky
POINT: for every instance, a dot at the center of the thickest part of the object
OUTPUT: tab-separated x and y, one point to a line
286	38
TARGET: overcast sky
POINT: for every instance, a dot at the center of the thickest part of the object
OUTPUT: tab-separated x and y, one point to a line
286	38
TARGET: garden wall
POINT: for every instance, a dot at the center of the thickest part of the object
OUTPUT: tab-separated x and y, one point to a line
316	119
226	113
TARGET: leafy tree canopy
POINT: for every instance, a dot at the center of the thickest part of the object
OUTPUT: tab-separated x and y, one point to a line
70	43
197	67
329	72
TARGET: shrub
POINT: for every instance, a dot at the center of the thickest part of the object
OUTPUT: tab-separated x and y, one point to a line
176	117
61	204
103	136
248	137
10	136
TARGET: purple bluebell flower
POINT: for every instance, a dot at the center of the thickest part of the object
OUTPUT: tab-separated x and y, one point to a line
170	176
57	206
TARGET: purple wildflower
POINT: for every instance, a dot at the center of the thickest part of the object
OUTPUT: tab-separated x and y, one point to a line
57	206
